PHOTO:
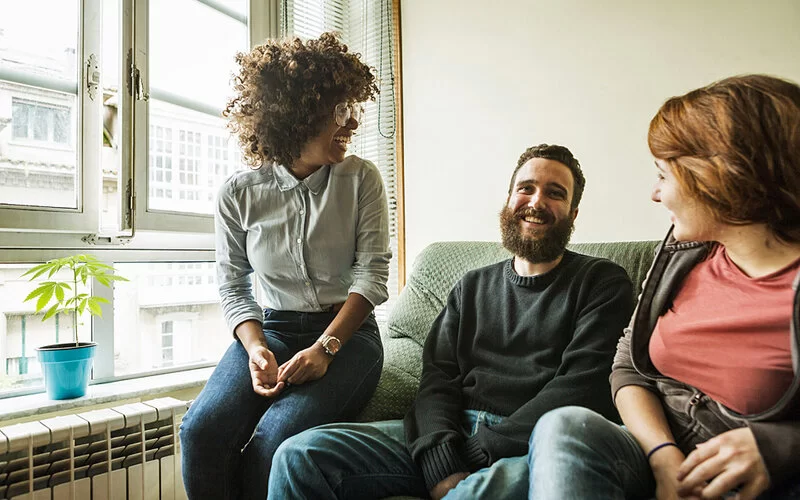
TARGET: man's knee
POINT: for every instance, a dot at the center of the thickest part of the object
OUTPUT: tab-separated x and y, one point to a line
296	448
568	421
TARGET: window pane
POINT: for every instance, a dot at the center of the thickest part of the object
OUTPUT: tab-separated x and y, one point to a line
22	330
191	154
38	160
191	64
110	158
159	322
193	58
41	37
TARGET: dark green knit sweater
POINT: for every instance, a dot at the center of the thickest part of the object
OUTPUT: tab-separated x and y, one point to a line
515	346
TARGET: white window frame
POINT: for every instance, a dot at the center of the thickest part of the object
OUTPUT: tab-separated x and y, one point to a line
85	217
37	234
262	24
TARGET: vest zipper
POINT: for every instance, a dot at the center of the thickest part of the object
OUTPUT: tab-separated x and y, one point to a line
696	397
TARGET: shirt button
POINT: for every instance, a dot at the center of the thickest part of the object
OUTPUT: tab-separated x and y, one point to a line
299	241
302	211
308	283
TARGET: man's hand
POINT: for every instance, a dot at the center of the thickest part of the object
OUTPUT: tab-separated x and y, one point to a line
305	366
264	372
724	462
447	484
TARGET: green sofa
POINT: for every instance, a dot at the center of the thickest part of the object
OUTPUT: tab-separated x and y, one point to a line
433	275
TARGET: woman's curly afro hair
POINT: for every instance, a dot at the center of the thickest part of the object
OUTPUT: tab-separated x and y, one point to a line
286	91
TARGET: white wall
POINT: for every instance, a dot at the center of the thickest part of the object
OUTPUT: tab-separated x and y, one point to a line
483	80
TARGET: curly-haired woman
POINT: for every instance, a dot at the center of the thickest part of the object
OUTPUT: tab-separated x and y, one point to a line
707	376
312	226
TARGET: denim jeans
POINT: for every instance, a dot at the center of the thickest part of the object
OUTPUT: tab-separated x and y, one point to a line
230	433
576	453
357	461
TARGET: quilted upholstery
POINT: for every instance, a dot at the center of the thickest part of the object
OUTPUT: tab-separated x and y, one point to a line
434	273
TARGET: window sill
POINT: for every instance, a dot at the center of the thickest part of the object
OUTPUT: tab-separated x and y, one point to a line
30	406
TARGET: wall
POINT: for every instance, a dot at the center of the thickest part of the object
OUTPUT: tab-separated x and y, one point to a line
482	81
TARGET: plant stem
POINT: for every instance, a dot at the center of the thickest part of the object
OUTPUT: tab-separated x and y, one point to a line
75	307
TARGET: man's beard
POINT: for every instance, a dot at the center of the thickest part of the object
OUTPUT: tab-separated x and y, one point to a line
547	247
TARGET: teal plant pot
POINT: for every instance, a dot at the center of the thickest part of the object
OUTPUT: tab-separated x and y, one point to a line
66	368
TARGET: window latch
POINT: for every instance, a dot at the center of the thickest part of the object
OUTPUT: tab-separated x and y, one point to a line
141	95
92	76
96	239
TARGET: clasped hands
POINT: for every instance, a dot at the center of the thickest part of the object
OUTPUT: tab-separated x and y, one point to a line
714	468
269	379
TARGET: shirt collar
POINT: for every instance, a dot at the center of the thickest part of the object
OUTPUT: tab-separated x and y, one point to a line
314	182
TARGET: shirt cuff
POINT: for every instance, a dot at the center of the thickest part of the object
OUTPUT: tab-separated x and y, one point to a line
439	463
474	455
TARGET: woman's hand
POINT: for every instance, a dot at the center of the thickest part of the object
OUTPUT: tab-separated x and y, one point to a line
665	464
724	462
305	366
264	372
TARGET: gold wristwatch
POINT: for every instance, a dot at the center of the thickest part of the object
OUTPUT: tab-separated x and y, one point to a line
330	343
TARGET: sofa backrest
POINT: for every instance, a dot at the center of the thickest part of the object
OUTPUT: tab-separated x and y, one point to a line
440	265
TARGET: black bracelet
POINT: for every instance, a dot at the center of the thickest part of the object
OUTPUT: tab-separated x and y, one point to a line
662	445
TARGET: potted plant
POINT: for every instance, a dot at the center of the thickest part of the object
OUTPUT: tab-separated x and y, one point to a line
67	366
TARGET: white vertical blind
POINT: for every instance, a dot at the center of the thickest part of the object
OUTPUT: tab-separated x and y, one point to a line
366	27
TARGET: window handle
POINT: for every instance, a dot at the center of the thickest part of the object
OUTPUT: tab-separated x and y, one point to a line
141	95
92	76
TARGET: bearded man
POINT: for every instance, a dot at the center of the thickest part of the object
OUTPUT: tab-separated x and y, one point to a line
515	340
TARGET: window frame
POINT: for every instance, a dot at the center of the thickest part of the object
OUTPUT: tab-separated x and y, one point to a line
85	216
152	219
30	235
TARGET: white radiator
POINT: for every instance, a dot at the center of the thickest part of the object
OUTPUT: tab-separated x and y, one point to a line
126	453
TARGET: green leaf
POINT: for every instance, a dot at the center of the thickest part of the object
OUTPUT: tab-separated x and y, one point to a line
36	292
37	271
94	307
45	297
101	299
50	312
59	292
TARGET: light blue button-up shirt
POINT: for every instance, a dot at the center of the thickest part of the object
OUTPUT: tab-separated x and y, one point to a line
310	242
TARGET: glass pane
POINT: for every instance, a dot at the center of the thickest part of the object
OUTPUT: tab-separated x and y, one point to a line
194	58
191	154
191	65
168	314
110	158
40	37
39	158
22	330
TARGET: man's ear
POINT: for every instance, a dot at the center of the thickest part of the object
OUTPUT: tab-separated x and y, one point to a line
574	214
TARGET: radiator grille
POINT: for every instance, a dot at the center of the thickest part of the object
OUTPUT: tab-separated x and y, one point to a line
96	455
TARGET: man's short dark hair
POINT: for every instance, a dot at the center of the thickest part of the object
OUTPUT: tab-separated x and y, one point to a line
556	153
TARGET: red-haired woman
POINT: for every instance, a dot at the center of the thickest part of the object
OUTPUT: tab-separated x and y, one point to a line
707	376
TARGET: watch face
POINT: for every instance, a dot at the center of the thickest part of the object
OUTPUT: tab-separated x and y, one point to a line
333	345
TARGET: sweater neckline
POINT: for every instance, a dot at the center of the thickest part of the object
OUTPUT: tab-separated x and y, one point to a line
537	280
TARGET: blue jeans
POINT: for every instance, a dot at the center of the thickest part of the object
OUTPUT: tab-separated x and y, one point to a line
357	461
230	433
576	453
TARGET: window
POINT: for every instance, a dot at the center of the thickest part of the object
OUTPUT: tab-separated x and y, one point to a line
41	122
112	143
366	27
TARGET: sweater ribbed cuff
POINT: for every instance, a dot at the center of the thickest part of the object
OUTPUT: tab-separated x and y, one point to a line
474	455
439	463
